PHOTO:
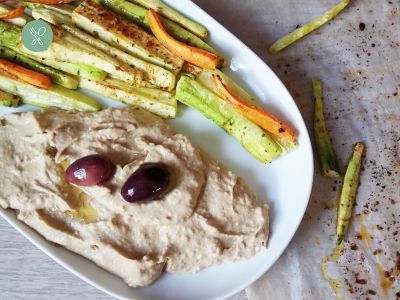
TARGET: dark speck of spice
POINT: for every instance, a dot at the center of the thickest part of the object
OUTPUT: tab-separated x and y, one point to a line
361	281
362	26
353	247
371	292
281	130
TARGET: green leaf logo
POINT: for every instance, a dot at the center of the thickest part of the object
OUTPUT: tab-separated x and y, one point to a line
37	36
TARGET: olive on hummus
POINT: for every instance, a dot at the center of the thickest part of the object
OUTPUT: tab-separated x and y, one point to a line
207	216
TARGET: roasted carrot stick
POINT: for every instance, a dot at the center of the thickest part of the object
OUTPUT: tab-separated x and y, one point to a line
196	56
281	133
19	73
15	13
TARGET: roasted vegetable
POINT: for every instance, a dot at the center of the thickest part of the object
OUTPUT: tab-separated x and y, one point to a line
196	56
66	47
61	78
56	95
10	100
82	70
206	78
123	34
10	38
326	153
349	192
175	16
12	14
292	37
137	14
50	2
19	73
253	138
19	21
154	100
152	73
65	9
281	133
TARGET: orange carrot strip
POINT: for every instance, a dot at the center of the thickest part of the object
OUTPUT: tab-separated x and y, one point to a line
196	56
15	13
25	75
256	114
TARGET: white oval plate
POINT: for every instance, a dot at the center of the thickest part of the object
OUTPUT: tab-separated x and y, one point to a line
285	184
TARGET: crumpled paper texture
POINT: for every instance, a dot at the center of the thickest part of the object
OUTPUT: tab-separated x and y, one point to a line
360	69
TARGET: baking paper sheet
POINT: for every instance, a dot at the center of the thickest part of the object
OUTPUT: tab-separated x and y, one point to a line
357	56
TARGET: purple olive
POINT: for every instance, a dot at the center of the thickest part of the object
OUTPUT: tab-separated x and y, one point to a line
147	183
89	171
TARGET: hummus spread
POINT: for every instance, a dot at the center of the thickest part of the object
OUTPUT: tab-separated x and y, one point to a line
207	217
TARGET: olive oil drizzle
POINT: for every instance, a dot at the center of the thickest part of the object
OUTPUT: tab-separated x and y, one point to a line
384	280
83	210
364	233
334	283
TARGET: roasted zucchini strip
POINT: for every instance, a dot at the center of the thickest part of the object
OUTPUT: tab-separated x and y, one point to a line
70	58
137	14
256	141
151	73
349	192
154	100
175	16
326	153
292	37
61	78
66	47
120	32
56	95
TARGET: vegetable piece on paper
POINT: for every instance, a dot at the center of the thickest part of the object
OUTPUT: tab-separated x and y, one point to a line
196	56
349	192
326	153
19	73
175	16
255	140
281	133
292	37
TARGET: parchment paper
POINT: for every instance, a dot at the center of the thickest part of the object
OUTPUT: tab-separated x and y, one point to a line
361	104
360	68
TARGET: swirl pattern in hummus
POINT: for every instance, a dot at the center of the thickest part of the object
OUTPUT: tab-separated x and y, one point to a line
208	216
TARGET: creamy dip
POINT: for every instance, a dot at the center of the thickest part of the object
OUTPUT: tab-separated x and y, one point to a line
207	217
